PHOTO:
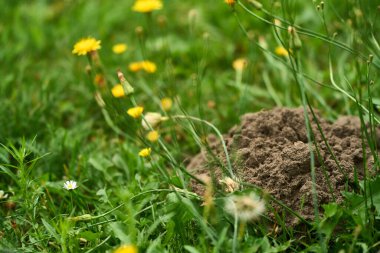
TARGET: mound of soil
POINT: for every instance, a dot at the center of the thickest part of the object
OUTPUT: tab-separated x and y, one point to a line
270	149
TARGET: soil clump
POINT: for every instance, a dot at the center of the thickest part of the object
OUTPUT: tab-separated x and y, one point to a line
270	150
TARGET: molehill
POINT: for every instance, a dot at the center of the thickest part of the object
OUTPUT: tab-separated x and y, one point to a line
270	150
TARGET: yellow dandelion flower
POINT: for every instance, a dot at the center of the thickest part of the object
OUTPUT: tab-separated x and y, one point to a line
145	6
152	136
145	152
119	48
281	51
118	91
149	66
166	104
126	249
135	112
240	64
135	66
85	46
230	2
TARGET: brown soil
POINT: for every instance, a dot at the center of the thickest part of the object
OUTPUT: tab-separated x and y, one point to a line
270	149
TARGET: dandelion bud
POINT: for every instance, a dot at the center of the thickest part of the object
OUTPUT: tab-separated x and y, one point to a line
230	2
83	217
295	41
370	58
99	100
161	20
229	184
251	35
277	22
322	4
128	89
152	119
139	31
193	16
88	69
256	4
262	42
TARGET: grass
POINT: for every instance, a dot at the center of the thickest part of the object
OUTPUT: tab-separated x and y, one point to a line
52	128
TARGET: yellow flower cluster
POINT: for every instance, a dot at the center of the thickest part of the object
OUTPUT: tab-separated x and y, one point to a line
146	6
147	66
86	45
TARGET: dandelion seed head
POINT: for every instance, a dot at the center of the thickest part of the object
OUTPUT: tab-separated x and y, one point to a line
246	208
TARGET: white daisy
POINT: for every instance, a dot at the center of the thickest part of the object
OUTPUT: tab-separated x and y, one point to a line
70	185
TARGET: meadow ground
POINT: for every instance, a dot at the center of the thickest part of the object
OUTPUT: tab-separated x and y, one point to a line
103	105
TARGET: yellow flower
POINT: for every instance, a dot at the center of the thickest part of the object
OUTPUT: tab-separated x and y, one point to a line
149	66
135	66
145	6
126	249
119	48
281	51
230	2
85	46
118	91
166	104
240	64
145	152
135	112
152	136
